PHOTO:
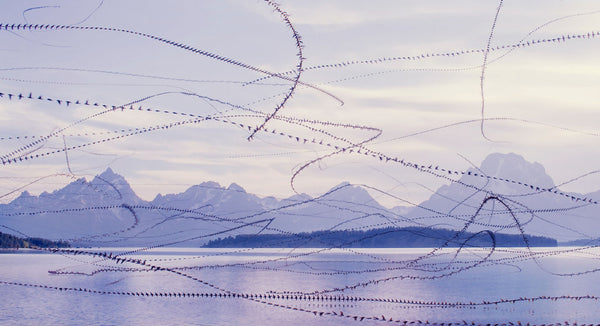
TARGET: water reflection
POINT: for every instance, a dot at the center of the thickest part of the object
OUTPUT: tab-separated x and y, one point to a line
203	286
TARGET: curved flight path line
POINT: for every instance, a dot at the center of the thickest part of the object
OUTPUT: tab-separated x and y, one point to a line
432	169
34	27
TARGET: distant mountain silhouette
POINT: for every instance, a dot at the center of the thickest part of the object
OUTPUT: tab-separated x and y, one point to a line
106	211
515	205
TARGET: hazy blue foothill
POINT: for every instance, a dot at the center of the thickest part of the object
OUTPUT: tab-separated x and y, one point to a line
411	237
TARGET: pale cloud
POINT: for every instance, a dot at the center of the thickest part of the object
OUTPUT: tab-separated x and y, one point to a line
552	84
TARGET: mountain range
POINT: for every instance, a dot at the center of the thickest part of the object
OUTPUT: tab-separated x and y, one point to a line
107	212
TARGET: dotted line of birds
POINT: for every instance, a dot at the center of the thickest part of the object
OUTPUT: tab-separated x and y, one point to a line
431	168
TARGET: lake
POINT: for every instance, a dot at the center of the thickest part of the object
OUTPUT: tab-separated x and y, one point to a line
191	286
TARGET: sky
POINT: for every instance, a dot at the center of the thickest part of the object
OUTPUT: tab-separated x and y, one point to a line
235	63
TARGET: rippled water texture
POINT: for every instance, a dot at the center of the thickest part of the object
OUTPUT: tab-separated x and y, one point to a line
263	275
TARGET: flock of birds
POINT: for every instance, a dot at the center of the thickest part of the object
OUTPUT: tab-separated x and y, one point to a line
329	136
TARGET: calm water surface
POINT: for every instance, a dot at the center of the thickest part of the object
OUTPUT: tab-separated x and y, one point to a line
373	275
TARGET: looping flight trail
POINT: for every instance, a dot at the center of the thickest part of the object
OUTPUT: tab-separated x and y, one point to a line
390	204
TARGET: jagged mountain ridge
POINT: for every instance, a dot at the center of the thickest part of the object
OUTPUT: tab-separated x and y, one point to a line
513	206
106	210
80	209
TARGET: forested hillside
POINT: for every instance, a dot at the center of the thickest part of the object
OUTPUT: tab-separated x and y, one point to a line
11	241
409	237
